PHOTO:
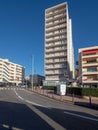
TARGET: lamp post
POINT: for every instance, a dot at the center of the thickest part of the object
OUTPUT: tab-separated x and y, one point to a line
32	69
90	95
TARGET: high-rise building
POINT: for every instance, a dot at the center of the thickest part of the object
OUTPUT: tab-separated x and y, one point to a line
59	53
11	73
88	65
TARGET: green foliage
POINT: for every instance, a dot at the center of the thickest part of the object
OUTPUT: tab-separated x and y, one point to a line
83	91
49	87
76	90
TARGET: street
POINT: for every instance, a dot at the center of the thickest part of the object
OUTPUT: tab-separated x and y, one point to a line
24	110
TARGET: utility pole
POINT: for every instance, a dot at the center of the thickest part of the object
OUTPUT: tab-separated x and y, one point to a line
32	69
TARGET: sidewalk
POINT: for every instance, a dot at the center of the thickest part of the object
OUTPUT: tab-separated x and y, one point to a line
82	101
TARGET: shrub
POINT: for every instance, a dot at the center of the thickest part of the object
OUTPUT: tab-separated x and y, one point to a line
83	91
49	87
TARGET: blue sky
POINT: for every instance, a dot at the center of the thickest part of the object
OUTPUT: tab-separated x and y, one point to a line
22	29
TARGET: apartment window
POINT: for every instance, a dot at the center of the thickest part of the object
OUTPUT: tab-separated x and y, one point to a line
91	69
91	61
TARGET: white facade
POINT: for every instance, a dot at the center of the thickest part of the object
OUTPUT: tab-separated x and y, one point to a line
59	54
11	72
88	65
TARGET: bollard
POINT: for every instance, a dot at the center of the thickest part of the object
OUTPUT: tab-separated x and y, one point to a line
73	97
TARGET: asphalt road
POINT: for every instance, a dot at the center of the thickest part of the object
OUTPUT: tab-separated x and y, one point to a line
25	110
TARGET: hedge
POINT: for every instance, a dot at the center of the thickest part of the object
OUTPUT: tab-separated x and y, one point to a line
77	91
49	87
83	91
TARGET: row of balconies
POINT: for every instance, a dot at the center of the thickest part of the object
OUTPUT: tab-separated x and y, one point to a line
56	50
85	65
52	29
55	16
58	44
90	56
90	73
56	67
52	19
56	61
53	74
57	33
56	77
8	76
51	14
90	79
56	56
56	71
56	9
55	23
54	39
9	69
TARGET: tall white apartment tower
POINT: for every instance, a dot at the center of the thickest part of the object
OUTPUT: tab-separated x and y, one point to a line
59	53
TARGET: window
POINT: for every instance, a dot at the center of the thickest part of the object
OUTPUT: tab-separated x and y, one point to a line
91	69
91	61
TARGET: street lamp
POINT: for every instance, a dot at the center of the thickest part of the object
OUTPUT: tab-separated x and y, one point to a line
32	70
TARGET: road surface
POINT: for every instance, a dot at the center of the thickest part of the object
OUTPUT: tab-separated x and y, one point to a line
24	110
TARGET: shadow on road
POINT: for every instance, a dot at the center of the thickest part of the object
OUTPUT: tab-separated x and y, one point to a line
88	105
69	121
16	116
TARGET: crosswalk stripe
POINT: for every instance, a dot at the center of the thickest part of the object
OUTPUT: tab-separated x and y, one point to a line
4	88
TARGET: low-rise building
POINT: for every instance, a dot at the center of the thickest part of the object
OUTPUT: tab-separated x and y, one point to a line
10	73
37	79
88	65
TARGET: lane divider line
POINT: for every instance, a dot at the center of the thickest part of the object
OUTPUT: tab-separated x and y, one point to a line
85	117
33	103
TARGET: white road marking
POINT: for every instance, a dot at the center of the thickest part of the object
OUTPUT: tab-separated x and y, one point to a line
20	97
33	103
85	117
5	126
14	128
10	88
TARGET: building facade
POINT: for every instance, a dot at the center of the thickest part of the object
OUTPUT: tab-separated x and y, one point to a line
11	73
59	52
88	65
37	79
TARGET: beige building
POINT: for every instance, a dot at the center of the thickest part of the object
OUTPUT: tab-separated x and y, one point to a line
88	65
10	72
59	53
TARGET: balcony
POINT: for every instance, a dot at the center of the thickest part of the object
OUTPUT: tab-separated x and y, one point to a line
53	24
56	39
90	73
56	56
52	29
55	13
56	50
55	62
85	65
56	67
54	45
56	18
52	35
56	8
53	74
90	56
89	81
